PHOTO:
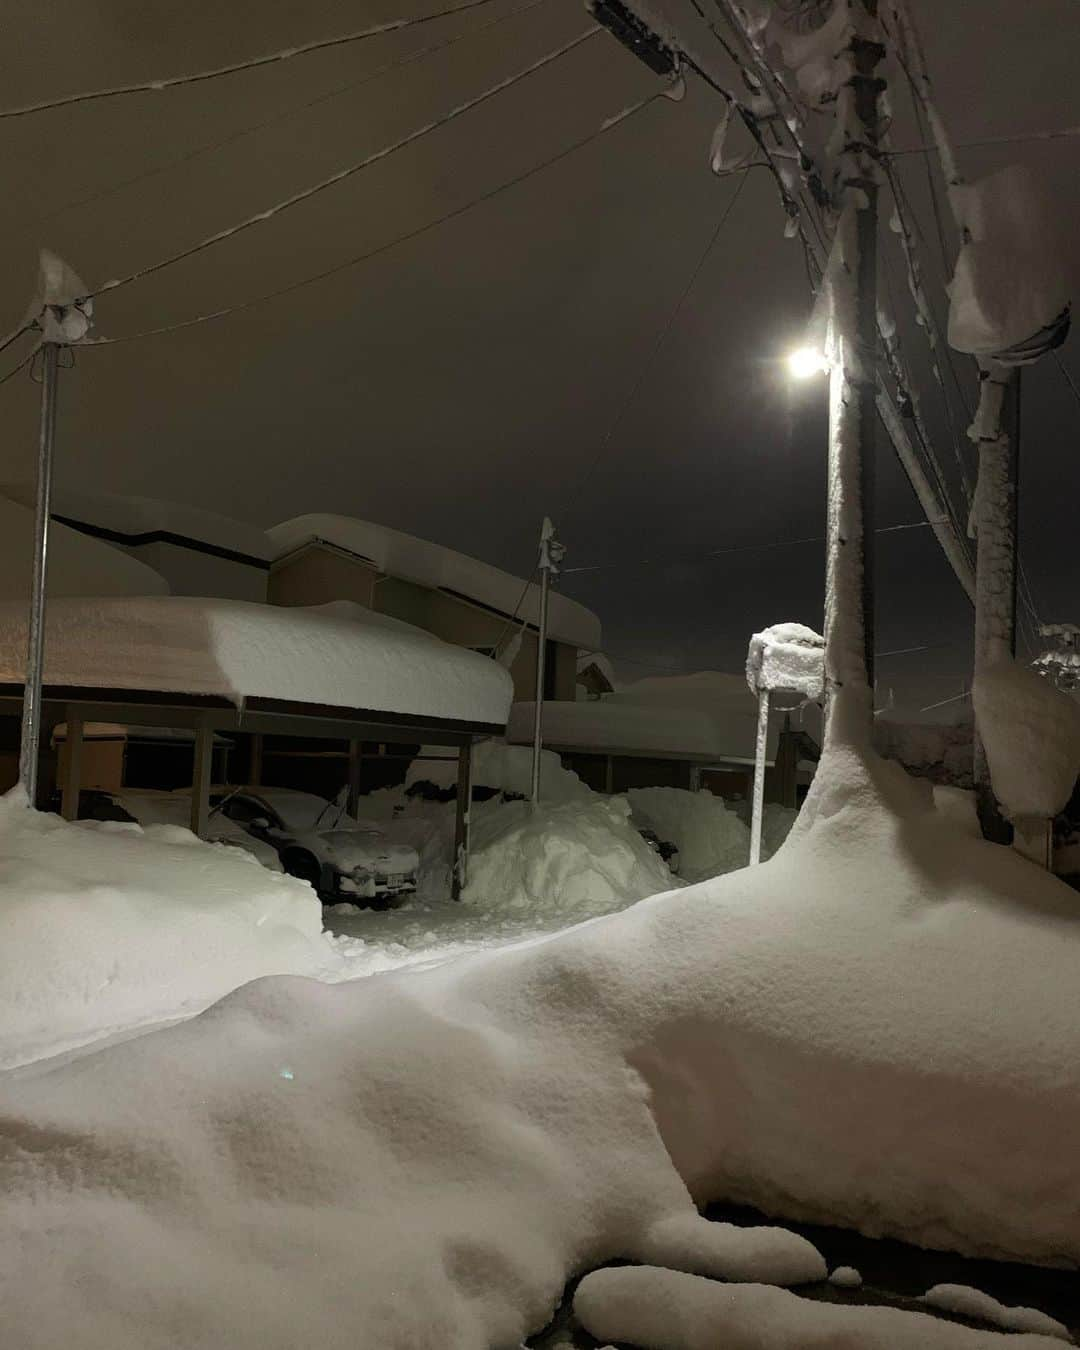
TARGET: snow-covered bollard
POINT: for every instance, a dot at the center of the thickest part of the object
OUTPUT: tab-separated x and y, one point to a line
1031	734
784	658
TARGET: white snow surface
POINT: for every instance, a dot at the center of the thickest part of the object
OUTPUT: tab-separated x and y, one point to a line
344	656
710	837
1010	280
787	657
1031	732
496	764
78	564
709	715
846	1277
665	1310
968	1302
434	565
879	1027
106	926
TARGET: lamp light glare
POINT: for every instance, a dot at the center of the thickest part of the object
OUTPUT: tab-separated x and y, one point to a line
805	362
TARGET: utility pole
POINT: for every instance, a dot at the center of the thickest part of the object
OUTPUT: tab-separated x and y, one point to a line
551	555
30	739
849	609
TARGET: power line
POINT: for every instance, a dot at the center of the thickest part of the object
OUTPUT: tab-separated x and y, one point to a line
273	58
307	193
1068	375
653	352
737	548
608	125
372	75
22	364
1018	138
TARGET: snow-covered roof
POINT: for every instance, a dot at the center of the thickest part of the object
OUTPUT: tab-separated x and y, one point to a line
340	655
428	564
78	565
143	516
708	715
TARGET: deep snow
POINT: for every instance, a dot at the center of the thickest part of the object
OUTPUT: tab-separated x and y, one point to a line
878	1027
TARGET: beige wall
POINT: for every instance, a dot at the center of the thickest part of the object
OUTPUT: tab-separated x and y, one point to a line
316	575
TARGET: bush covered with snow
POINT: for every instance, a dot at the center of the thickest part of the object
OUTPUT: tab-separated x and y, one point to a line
1031	732
107	925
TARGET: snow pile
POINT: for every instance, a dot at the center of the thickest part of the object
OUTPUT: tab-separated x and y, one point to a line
568	861
341	655
973	1303
507	768
710	837
940	751
106	926
1010	283
1031	732
788	657
879	1027
664	1310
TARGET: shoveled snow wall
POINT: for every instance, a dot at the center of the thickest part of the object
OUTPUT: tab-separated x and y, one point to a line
878	1027
108	926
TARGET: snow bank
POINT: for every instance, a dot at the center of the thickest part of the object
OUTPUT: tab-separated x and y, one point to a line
1031	732
507	768
344	656
973	1303
107	926
880	1027
664	1310
710	837
566	862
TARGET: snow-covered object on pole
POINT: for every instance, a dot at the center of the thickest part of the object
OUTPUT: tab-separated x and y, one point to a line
1031	734
785	658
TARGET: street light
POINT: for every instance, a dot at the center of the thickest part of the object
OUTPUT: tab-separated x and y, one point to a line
804	362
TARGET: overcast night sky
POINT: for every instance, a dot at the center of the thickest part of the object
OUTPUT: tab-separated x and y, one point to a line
465	383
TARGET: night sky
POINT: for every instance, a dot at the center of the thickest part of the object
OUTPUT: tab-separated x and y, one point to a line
467	382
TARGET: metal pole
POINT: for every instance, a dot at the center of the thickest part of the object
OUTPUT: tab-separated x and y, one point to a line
541	662
35	646
463	816
760	751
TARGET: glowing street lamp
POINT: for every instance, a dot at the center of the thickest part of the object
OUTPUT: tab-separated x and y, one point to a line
805	362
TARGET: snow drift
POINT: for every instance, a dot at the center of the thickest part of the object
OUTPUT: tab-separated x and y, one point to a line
107	926
878	1027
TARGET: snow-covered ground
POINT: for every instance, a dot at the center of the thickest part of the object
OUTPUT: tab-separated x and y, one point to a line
878	1027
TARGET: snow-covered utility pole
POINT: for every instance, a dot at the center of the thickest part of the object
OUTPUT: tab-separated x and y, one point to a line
62	317
757	807
849	612
551	554
30	738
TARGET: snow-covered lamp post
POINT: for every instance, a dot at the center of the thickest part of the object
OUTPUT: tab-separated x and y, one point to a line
62	316
787	658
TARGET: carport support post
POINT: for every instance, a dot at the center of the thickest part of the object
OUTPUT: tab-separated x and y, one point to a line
759	776
200	783
461	821
35	644
69	807
255	766
352	798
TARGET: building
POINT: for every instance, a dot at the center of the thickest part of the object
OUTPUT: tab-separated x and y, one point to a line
321	558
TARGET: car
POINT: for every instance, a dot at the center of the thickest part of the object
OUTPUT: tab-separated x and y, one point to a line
316	840
668	851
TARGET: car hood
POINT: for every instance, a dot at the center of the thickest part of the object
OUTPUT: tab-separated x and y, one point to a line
348	849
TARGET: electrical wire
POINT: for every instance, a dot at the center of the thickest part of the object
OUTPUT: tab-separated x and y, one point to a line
1067	374
653	352
211	146
27	359
342	174
1015	138
273	58
608	125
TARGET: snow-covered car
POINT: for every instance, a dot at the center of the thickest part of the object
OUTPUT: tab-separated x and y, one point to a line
342	858
668	851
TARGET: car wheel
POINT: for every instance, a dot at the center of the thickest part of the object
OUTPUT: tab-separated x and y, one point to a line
303	865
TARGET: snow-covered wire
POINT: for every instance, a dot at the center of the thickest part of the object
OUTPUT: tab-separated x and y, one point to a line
252	63
15	334
27	359
607	125
342	174
654	350
252	129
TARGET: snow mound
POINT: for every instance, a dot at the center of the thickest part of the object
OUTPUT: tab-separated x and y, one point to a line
107	926
710	837
573	860
665	1310
507	768
1031	732
968	1302
879	1027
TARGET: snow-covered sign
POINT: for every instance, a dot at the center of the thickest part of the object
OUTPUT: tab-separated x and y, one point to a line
787	658
1009	297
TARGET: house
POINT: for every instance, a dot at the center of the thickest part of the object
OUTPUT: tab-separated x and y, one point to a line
321	558
687	731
